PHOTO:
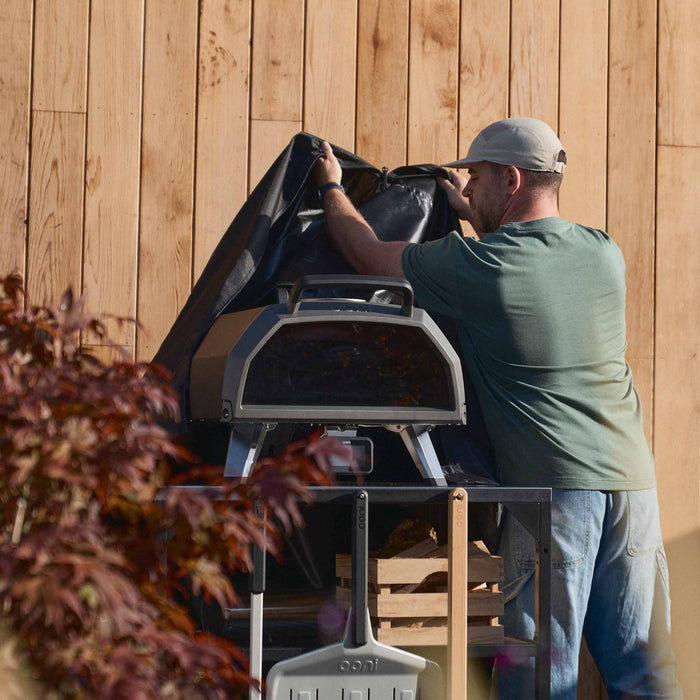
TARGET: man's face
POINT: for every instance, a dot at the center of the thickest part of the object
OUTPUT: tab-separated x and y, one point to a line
487	195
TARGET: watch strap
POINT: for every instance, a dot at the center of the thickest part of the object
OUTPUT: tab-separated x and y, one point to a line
329	186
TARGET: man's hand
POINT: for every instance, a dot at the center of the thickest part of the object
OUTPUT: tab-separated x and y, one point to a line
454	185
327	168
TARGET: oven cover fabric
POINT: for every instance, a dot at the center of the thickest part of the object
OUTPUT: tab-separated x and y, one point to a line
279	235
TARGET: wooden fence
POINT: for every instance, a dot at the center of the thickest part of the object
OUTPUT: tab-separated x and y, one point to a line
131	132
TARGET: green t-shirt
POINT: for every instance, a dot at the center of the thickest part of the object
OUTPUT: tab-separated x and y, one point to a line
540	307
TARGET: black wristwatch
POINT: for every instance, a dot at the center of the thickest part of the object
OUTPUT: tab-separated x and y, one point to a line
329	186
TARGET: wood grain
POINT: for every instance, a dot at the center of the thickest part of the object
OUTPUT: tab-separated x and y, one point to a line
108	354
55	239
583	106
60	56
631	165
112	165
679	68
222	122
167	171
267	140
382	82
278	54
329	70
534	60
15	90
457	591
433	78
677	400
483	75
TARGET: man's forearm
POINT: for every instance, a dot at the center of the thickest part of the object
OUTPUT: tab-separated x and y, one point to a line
356	240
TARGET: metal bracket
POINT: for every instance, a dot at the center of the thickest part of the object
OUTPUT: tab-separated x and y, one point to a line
417	440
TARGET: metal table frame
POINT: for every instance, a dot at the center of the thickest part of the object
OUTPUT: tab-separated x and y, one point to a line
531	506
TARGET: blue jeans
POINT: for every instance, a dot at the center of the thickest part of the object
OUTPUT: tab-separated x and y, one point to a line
609	583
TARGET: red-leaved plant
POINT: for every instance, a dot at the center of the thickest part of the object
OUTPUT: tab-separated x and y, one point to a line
87	595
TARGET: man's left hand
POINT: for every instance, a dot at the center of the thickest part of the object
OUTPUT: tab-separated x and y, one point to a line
327	168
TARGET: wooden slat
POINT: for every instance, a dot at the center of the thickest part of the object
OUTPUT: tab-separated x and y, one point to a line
222	122
481	603
15	79
329	70
437	636
583	131
165	241
278	50
482	568
60	55
267	140
112	166
534	60
679	68
483	77
382	82
631	159
433	77
677	400
56	205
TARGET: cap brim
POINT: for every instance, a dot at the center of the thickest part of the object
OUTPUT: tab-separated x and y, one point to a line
459	163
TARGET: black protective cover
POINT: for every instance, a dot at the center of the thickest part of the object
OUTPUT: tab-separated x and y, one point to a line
279	235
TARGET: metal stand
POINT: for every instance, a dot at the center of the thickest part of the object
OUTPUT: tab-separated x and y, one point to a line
531	506
257	591
246	441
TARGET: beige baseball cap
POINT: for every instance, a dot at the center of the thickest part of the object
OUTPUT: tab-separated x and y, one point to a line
520	141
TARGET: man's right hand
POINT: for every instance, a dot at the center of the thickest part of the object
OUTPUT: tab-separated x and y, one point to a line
454	186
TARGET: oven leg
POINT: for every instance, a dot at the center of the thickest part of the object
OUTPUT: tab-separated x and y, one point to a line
420	447
242	454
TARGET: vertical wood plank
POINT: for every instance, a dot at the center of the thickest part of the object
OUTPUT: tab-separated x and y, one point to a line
15	81
679	68
677	399
382	82
267	140
583	107
329	70
277	76
222	121
167	171
56	205
278	51
484	66
55	237
60	56
631	172
433	75
534	60
112	165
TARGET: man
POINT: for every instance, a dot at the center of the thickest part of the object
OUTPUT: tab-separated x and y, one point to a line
540	307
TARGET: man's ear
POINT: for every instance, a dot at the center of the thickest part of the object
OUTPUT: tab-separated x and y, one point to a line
514	179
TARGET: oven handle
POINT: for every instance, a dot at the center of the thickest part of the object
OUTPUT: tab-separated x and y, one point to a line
394	284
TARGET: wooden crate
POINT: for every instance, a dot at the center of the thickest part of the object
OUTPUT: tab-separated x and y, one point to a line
407	597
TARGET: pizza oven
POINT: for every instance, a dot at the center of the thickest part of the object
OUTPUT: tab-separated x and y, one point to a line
332	361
